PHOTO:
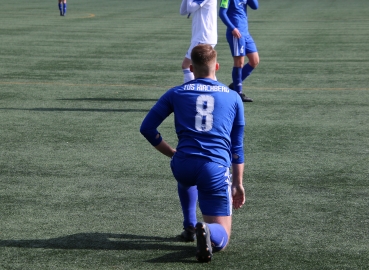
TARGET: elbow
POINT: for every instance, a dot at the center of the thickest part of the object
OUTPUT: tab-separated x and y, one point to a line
254	5
151	135
144	131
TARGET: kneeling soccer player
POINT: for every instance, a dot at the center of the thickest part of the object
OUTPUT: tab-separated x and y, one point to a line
209	122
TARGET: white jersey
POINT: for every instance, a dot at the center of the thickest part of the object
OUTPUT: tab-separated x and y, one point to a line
204	15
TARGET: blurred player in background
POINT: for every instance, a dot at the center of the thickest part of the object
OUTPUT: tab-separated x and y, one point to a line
209	122
62	7
233	13
204	28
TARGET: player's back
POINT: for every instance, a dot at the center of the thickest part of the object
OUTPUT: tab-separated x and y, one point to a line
205	112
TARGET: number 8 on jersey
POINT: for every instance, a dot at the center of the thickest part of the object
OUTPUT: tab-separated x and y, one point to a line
204	116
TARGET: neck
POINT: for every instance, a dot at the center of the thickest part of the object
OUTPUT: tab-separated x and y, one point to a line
210	76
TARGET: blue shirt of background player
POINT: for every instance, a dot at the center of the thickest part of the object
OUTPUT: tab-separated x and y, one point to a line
205	113
236	14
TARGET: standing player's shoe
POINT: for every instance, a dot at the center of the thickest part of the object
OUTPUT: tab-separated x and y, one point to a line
242	95
189	234
204	251
244	98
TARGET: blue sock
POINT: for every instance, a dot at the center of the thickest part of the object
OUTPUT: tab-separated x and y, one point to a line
188	199
218	236
237	79
246	71
61	8
65	8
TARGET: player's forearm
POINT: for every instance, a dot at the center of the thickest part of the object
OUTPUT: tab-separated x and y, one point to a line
149	127
237	144
192	6
237	174
224	17
164	148
183	8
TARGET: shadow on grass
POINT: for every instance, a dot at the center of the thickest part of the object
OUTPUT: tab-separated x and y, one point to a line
75	110
107	241
109	99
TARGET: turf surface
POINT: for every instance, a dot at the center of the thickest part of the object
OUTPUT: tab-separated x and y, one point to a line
80	188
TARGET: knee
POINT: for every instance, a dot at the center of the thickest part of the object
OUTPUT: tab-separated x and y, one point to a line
254	63
222	247
186	63
254	60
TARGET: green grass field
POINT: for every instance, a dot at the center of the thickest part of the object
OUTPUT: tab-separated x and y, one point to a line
80	188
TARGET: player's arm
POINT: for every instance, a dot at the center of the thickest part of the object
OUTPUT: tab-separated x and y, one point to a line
253	4
238	159
183	8
149	130
190	6
164	148
193	5
238	191
225	19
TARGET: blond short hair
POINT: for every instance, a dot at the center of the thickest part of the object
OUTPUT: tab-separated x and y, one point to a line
203	58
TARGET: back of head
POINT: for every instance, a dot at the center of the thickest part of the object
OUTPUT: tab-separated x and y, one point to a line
204	59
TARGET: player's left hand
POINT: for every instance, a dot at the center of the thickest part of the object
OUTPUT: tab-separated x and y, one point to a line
238	196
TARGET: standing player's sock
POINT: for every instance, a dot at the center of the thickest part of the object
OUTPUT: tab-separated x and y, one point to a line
218	236
188	199
64	8
246	71
237	79
61	9
187	75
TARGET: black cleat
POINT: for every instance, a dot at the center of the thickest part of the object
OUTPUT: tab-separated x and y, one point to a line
204	251
244	98
231	86
189	234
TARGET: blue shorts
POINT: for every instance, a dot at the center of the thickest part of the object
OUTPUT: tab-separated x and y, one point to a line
241	46
213	183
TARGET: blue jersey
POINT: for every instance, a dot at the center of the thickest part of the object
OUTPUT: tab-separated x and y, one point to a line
205	113
237	14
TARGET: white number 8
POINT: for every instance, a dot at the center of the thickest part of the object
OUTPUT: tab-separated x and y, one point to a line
204	116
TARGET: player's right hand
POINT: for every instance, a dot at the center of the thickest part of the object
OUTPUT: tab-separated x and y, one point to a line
236	33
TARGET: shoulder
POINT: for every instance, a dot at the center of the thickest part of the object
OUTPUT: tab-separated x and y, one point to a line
170	93
225	3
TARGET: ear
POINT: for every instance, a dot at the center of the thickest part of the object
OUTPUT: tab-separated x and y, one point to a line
191	68
217	66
